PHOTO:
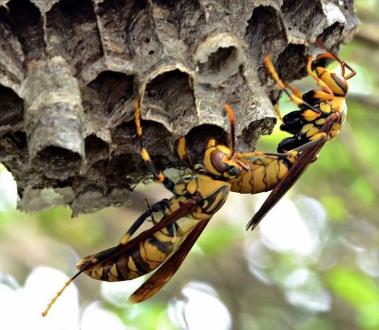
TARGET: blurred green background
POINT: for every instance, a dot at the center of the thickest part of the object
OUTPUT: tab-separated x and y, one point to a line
313	263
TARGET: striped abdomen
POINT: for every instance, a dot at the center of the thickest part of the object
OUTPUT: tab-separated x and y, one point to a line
149	254
264	174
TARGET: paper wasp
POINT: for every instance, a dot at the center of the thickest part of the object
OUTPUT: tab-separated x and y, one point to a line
320	117
315	106
178	222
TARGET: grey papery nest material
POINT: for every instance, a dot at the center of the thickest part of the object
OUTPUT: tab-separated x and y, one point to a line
69	71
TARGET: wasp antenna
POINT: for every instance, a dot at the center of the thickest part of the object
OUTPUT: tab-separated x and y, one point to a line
334	56
59	293
229	111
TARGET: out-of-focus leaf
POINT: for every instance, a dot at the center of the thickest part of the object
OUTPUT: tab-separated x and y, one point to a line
148	315
362	190
317	323
360	291
336	207
354	287
217	239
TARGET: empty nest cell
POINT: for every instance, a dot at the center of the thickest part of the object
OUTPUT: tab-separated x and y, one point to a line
113	89
292	62
57	162
72	32
169	99
11	109
303	15
25	20
218	58
117	18
95	149
265	33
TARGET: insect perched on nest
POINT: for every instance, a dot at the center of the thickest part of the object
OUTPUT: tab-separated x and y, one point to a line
177	222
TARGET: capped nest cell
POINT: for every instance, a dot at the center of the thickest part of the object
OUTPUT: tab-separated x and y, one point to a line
70	70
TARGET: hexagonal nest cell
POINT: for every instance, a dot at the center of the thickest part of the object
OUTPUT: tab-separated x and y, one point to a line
71	69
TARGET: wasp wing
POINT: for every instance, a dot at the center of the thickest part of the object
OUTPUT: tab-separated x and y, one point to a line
109	256
305	159
164	273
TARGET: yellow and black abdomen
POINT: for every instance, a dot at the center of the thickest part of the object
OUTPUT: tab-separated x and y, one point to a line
264	174
149	254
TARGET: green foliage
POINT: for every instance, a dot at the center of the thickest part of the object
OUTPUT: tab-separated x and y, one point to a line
360	291
219	238
336	207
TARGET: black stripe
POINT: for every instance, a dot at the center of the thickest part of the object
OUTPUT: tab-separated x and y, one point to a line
141	265
165	247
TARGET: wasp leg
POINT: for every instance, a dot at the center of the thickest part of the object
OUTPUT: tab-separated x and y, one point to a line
232	138
344	65
152	215
98	257
159	206
292	94
290	143
158	175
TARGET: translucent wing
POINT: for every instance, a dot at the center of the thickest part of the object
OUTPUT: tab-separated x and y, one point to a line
305	159
110	255
164	273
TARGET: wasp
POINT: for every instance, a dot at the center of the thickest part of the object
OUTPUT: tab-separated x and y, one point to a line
319	118
178	222
315	106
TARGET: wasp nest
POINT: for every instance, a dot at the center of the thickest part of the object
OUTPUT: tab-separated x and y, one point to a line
69	70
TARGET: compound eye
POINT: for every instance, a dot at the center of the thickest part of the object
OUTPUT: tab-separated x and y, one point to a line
217	158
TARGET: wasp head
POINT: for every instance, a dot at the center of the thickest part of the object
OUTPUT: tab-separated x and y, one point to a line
337	83
219	161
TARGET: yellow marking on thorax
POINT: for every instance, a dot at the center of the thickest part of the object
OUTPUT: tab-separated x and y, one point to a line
325	106
320	121
338	104
310	115
310	130
192	187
